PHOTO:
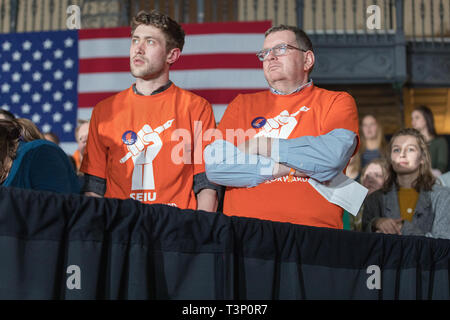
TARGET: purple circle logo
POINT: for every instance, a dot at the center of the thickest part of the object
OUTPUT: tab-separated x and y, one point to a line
258	122
129	137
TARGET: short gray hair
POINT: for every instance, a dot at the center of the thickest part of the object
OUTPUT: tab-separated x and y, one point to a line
304	42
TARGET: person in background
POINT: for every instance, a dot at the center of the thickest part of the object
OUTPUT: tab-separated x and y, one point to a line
81	135
373	143
422	119
6	115
30	163
373	176
410	203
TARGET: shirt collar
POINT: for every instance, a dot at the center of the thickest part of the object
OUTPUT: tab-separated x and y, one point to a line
159	90
296	90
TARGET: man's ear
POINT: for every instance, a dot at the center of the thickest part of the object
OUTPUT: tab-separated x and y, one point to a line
309	60
173	55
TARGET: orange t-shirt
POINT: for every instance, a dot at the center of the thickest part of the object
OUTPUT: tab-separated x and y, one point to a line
149	148
310	112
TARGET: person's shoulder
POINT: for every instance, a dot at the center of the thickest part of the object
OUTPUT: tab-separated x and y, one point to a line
440	189
38	148
252	96
331	94
445	179
377	194
41	144
188	95
441	140
115	98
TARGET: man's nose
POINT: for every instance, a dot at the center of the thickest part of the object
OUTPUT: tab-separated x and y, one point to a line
271	55
139	49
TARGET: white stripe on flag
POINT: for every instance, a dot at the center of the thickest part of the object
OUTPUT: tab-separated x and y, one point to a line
104	48
186	79
195	44
223	43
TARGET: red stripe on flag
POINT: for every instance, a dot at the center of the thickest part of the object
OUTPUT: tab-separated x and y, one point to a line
94	65
121	32
89	100
187	62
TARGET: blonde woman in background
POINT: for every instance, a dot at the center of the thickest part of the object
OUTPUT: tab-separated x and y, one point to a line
373	143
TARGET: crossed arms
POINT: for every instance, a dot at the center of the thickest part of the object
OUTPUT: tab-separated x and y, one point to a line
262	158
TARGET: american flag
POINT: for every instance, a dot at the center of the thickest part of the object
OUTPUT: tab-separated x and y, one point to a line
218	62
38	79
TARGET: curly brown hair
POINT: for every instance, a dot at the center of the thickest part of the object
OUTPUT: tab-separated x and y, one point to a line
425	179
172	30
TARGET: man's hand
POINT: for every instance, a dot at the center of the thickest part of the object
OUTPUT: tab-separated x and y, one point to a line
207	200
280	170
260	145
388	225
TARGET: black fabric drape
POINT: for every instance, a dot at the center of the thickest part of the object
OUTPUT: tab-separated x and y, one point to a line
128	250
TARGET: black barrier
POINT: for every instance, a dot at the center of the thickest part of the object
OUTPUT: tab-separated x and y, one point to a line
73	247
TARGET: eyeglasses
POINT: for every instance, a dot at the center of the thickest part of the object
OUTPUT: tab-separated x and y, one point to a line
278	50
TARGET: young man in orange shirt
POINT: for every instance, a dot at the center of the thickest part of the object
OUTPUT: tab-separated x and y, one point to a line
293	132
133	147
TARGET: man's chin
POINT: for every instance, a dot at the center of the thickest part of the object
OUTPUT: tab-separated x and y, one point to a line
138	73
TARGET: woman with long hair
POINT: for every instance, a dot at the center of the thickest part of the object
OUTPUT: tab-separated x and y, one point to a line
410	203
373	143
422	119
27	161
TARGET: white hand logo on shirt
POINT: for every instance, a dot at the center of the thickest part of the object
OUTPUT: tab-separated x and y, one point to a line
280	126
143	152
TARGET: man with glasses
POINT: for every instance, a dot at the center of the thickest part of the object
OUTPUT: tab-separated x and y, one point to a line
271	142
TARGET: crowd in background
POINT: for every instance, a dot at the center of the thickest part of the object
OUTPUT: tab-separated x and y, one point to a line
406	179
